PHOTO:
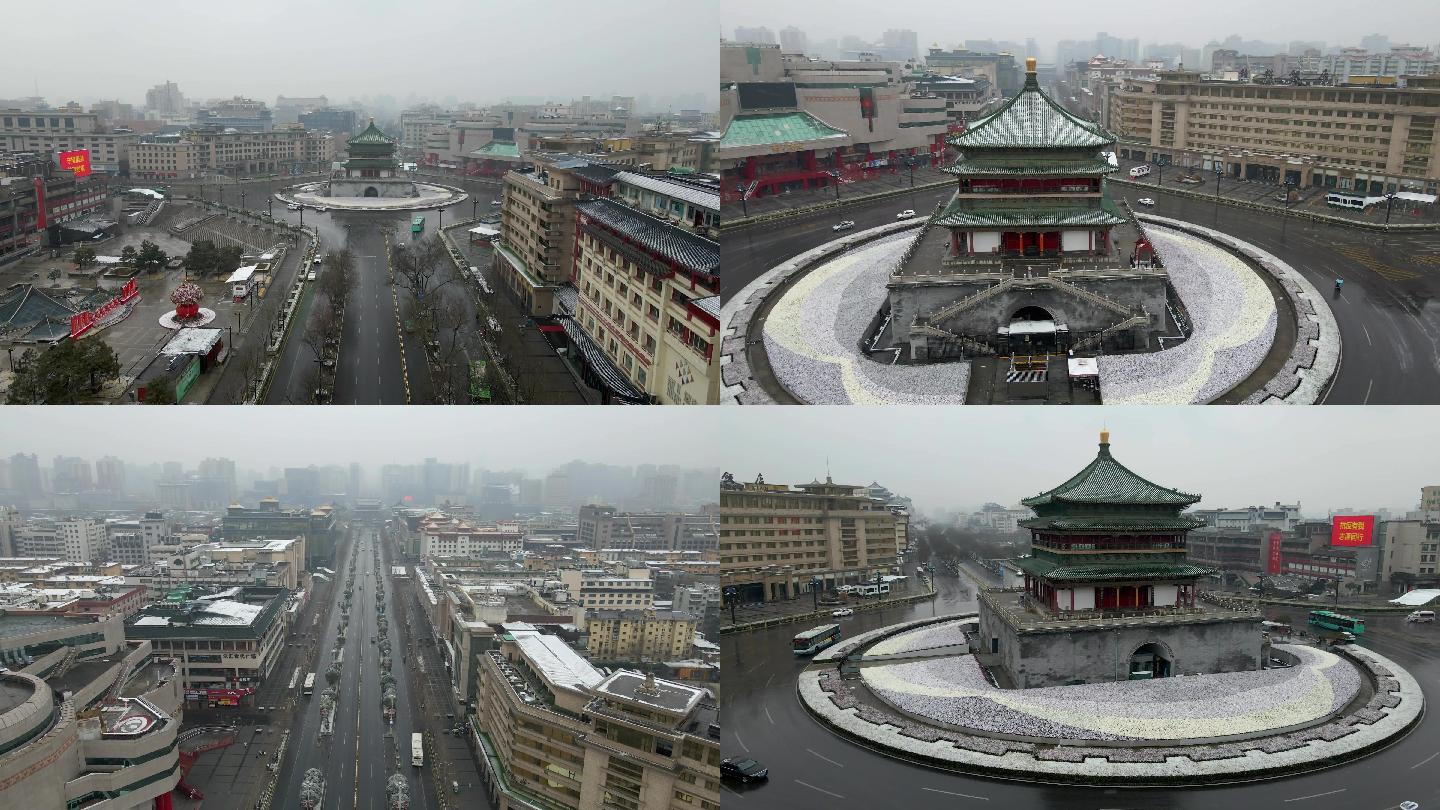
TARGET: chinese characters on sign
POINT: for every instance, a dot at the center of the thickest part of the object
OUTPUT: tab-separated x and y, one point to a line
1352	530
1275	560
77	161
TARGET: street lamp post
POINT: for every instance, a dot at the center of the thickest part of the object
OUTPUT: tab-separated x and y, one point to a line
1289	189
1218	171
242	198
475	208
744	209
815	591
1389	203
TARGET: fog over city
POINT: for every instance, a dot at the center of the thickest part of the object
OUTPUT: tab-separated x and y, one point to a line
1335	22
442	51
530	439
960	458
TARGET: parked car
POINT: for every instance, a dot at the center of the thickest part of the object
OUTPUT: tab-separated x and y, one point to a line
906	214
293	206
1145	201
494	202
744	770
842	612
311	277
843	225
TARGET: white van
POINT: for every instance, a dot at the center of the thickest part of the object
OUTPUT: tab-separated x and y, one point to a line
1421	616
884	588
1139	171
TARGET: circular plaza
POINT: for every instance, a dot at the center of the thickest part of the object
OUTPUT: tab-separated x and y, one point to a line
923	691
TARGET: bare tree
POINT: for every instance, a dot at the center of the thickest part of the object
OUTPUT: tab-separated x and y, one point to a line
417	268
322	329
451	376
338	277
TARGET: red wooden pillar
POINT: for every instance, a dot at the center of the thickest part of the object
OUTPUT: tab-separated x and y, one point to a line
954	243
163	802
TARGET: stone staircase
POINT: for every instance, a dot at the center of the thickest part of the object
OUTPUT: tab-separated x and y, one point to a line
1136	320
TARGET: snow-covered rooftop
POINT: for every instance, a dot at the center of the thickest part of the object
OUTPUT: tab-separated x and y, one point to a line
560	665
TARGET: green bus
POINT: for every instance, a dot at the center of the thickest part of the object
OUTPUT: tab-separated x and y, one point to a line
1334	621
417	224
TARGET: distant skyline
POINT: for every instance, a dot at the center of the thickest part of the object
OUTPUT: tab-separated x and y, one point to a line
1414	22
960	458
532	439
472	51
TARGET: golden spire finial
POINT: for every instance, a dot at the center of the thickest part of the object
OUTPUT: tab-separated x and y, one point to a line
1029	64
1104	436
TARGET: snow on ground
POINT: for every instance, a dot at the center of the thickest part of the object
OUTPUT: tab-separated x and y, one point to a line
938	635
954	691
812	337
1234	321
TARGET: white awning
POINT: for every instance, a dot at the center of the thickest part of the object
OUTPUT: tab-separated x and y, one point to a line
1084	367
1415	196
1032	328
242	274
485	231
1417	597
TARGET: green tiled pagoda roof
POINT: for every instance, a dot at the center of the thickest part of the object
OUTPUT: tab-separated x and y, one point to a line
371	134
1109	572
497	149
1036	168
767	129
1030	120
1107	481
1115	523
960	215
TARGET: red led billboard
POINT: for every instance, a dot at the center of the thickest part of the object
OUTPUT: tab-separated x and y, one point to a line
77	161
1352	530
1274	563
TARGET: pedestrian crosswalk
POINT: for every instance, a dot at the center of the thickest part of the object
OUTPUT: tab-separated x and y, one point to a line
1360	254
1014	376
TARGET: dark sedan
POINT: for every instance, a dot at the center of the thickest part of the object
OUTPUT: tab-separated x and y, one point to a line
745	770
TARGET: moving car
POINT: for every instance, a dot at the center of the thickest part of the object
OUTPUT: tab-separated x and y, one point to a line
843	225
293	206
1145	201
317	260
842	612
744	770
1408	805
494	202
310	277
906	214
1139	171
1421	616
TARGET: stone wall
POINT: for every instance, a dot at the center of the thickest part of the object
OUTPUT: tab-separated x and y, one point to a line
384	186
1080	315
1100	654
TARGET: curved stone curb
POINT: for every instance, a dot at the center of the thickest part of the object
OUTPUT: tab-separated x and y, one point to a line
1316	357
844	648
738	384
1397	706
456	196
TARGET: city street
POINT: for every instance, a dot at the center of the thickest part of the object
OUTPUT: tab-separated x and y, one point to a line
1388	314
364	750
809	765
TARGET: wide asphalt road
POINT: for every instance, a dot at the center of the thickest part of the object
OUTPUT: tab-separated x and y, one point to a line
1388	314
812	767
364	750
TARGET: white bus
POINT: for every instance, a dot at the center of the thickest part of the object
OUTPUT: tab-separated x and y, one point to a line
309	685
417	750
1342	200
815	639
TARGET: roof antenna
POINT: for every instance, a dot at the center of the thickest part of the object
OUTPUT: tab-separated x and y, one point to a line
827	471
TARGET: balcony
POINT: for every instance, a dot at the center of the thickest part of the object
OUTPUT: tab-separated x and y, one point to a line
1024	614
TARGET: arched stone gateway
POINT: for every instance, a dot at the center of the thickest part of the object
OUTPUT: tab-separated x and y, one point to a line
370	191
1032	329
1152	659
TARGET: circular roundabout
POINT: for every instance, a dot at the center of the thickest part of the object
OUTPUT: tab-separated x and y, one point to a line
816	319
916	691
427	196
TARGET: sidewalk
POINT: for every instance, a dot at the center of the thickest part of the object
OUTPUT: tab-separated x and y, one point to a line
807	604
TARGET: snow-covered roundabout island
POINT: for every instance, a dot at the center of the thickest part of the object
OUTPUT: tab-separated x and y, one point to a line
813	330
912	691
427	195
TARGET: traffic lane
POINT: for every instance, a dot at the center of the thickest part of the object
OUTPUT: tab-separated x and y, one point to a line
748	253
369	351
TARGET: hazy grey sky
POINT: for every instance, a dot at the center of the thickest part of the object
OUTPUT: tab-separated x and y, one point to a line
533	438
472	49
1324	457
1334	21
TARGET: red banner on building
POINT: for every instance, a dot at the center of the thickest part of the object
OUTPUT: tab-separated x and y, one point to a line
40	221
1275	560
77	161
1352	530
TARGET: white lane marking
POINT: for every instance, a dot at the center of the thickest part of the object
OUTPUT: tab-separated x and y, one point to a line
742	744
1367	335
1425	760
768	717
732	793
1316	795
961	795
822	790
822	756
1367	392
769	680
